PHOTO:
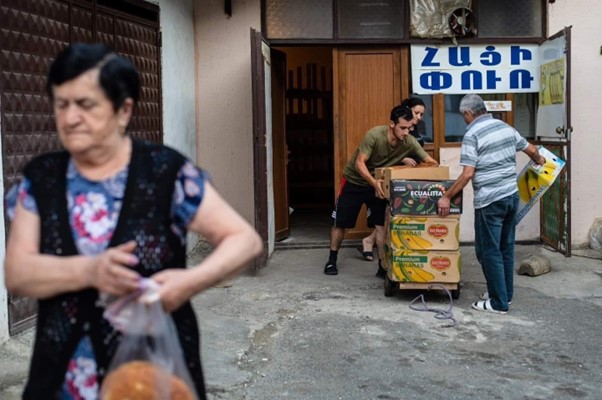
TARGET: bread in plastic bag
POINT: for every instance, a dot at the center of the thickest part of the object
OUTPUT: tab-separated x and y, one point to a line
148	363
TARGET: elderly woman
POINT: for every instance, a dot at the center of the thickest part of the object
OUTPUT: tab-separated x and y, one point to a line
97	217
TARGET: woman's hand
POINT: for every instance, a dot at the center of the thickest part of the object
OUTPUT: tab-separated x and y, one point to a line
111	272
174	287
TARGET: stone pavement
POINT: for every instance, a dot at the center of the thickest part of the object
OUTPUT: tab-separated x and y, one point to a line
288	331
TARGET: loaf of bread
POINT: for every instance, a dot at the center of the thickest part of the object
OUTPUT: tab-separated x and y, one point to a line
142	380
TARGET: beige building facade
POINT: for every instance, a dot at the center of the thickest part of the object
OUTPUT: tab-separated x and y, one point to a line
225	83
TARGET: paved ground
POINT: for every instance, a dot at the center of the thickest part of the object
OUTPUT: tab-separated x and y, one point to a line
288	331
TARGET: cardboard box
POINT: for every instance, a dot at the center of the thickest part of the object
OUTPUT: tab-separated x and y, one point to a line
420	197
423	266
417	172
404	172
534	180
411	232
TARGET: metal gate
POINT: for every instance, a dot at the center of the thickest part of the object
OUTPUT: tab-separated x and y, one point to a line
32	33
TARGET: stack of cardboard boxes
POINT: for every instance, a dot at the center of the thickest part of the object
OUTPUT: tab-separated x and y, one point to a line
421	248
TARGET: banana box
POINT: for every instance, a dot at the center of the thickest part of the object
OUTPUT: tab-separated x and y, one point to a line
420	197
423	266
413	232
534	180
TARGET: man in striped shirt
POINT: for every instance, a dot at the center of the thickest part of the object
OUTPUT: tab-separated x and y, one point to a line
489	159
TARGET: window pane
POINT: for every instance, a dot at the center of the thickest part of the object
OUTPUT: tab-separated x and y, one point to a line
295	19
510	18
525	113
425	129
365	19
524	107
455	127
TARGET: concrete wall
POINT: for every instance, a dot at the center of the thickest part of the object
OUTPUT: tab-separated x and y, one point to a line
178	72
224	108
586	81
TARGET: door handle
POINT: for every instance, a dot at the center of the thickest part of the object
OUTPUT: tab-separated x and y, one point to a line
561	130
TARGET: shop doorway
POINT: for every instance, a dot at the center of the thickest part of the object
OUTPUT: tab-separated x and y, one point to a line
333	96
309	128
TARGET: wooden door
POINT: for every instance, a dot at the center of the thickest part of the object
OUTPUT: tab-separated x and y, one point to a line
367	85
260	164
279	147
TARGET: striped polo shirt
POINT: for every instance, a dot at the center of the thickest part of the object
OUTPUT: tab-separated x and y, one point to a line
490	145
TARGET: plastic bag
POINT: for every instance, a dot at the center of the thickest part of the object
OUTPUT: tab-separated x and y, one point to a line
149	363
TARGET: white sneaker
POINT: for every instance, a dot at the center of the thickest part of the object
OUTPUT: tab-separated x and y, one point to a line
485	305
485	296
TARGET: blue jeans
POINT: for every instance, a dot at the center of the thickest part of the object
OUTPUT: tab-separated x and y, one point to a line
494	244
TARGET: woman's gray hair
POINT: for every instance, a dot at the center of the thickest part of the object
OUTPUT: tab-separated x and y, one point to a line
473	103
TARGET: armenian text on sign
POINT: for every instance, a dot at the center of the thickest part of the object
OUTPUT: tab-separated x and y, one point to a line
475	69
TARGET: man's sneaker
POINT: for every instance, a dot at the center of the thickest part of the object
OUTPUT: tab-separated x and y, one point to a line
330	269
381	273
485	296
485	305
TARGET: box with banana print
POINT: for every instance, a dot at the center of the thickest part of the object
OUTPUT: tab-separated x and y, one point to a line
534	180
423	249
415	232
419	266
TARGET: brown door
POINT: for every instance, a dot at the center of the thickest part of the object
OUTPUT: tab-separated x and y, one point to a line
367	84
279	147
260	165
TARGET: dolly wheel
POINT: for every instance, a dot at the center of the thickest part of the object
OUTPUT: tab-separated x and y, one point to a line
389	286
456	293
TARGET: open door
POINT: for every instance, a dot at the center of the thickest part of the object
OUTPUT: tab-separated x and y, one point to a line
554	132
279	144
268	69
366	86
262	127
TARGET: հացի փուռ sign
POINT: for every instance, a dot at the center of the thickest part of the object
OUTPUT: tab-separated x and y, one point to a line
475	68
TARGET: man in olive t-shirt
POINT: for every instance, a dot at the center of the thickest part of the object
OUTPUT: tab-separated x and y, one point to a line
382	146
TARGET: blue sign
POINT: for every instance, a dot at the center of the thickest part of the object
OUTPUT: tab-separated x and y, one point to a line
475	69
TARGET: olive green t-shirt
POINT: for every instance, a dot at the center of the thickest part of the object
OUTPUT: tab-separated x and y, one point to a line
381	154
